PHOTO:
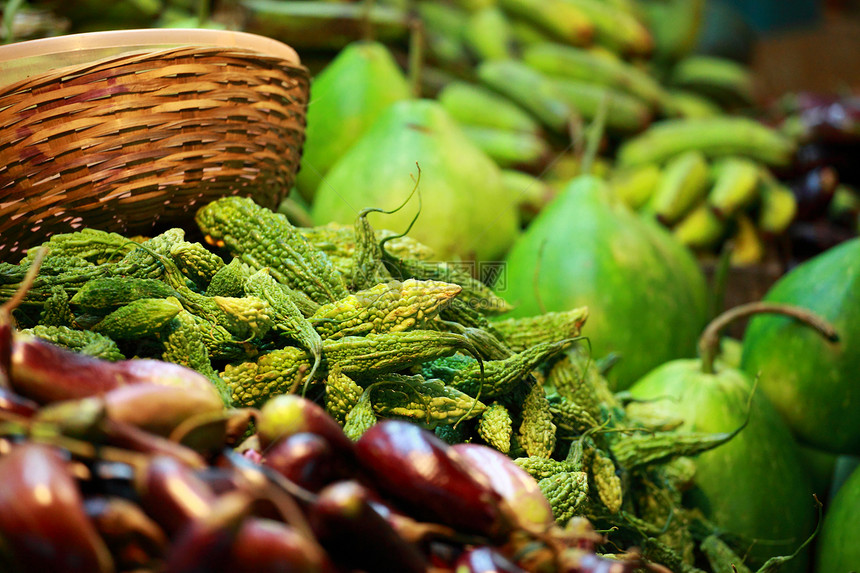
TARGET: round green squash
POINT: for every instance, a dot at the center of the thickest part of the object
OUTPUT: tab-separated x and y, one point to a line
814	384
347	96
838	550
754	485
645	294
466	212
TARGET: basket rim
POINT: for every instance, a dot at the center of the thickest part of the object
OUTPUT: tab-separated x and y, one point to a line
91	46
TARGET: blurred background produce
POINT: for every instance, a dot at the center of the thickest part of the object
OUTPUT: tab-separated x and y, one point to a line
657	161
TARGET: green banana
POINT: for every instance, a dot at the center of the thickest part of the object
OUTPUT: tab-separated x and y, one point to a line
525	33
530	89
736	185
488	34
721	79
559	18
686	104
444	35
675	26
474	5
635	185
777	207
700	228
683	183
471	104
713	136
624	113
510	148
616	28
557	60
309	24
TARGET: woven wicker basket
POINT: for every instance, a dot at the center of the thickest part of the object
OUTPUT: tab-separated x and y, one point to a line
142	139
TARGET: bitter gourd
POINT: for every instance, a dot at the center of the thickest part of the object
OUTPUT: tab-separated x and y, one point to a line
502	376
341	394
230	279
360	418
640	449
386	307
263	238
495	427
537	430
281	371
141	318
427	402
106	294
522	333
56	310
567	494
92	245
81	341
196	262
183	344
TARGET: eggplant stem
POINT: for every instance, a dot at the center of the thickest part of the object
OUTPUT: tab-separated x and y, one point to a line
709	342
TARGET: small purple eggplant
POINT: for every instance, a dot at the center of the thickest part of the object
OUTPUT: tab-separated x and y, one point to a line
268	546
289	414
420	472
305	459
42	518
159	409
134	539
173	495
357	536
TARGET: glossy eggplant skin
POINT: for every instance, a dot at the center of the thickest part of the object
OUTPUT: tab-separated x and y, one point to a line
306	459
42	517
48	373
173	495
288	414
267	546
419	471
357	536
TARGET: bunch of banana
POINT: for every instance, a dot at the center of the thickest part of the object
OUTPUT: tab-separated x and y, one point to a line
708	194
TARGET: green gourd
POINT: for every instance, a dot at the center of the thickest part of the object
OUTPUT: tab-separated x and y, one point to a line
465	210
755	485
347	96
837	548
646	296
812	382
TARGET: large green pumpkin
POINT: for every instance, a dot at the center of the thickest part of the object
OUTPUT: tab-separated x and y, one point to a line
814	384
645	293
755	485
347	96
466	212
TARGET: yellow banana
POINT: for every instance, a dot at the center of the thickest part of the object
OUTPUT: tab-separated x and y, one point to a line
636	185
471	104
683	183
617	29
559	18
736	185
747	246
713	136
700	228
777	208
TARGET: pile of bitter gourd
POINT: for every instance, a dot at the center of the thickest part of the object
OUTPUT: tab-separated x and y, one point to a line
368	325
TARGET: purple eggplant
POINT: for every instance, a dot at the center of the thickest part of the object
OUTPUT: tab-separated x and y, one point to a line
46	373
485	559
268	546
420	472
523	498
205	544
305	459
159	409
11	403
356	536
42	518
289	414
173	495
134	539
